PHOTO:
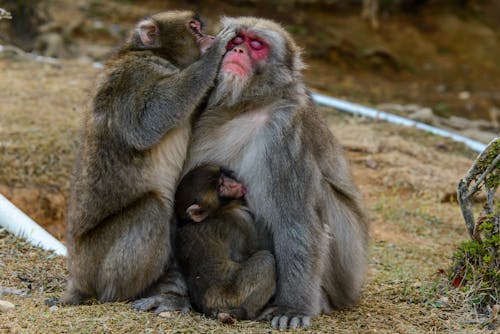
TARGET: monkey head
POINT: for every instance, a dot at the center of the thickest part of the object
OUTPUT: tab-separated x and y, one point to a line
260	62
175	35
204	190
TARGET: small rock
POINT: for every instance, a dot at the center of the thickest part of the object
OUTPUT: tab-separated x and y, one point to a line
165	314
6	306
54	308
465	95
458	123
424	115
442	146
370	163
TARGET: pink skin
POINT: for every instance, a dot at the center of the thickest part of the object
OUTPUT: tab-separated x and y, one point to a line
244	52
204	41
230	188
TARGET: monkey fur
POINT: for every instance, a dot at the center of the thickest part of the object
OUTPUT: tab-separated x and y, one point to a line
261	123
133	148
218	251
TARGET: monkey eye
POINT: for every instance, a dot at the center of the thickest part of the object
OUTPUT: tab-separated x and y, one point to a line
238	40
256	44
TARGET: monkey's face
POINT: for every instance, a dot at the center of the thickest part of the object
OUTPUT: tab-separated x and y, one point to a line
176	35
230	188
260	61
204	190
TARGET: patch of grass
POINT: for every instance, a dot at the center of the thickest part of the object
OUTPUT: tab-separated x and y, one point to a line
476	269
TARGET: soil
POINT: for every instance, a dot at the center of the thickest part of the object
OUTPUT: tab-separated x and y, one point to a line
408	178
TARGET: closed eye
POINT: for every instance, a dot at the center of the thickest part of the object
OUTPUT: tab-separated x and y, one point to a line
256	44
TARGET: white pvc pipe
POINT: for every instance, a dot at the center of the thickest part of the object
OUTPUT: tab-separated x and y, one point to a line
374	113
19	224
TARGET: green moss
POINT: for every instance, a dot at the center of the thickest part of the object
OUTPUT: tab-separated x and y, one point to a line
476	268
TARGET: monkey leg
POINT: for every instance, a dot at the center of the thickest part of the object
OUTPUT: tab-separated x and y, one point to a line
252	287
345	260
138	241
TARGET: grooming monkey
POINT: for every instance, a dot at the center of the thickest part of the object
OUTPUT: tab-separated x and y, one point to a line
217	246
261	123
134	146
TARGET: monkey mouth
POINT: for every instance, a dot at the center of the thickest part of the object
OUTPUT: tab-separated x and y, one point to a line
235	67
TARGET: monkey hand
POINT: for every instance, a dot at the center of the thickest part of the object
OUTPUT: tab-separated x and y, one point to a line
223	38
284	318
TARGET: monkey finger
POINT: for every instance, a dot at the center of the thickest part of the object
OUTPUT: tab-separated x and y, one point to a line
226	35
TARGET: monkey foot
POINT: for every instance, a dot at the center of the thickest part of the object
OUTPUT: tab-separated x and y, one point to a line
163	303
284	318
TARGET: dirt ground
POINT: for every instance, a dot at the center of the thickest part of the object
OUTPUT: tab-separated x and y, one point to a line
405	175
408	177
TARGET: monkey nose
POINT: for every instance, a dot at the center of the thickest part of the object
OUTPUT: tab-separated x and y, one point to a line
238	50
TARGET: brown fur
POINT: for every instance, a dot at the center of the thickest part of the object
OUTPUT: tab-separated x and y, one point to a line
225	270
133	148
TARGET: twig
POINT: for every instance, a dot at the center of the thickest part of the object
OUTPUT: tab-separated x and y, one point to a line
465	192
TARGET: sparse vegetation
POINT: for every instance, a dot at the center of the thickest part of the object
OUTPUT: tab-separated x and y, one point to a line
476	268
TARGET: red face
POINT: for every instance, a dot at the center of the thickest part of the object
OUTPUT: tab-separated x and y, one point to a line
230	188
245	51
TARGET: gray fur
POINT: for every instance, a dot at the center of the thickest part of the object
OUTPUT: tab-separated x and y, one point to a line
300	186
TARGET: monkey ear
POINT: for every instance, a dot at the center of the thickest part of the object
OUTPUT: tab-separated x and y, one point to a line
197	213
148	32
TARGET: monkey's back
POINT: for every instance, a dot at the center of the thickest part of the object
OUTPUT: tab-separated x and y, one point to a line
211	252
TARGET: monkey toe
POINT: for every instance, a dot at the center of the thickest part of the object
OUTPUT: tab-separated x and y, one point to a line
284	322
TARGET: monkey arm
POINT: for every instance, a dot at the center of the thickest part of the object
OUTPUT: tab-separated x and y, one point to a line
172	98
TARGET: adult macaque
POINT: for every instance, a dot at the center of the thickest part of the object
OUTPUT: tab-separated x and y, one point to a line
261	123
217	246
134	146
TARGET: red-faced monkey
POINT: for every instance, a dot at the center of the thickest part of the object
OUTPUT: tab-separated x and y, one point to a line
217	246
261	123
133	149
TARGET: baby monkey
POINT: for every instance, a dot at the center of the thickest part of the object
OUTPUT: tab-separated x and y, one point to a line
217	246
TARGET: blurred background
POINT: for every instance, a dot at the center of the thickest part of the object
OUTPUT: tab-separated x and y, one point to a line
431	60
434	61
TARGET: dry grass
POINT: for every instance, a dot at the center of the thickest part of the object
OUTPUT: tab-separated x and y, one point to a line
404	174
